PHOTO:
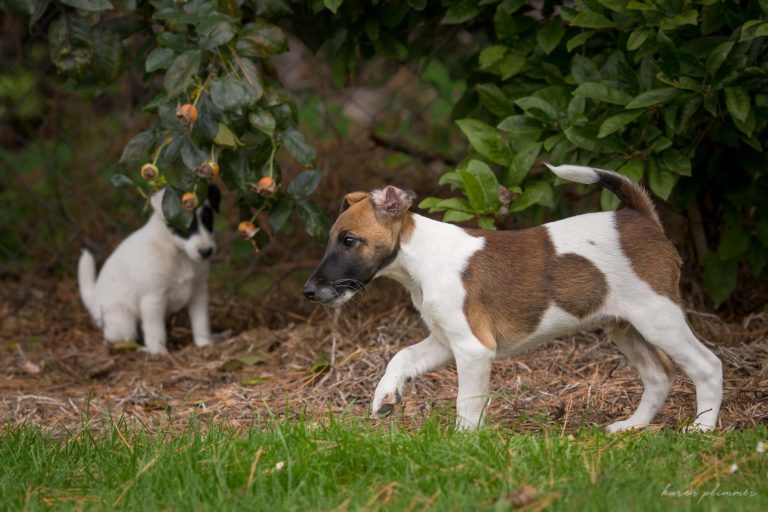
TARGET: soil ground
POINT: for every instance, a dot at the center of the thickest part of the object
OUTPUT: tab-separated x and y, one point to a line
281	356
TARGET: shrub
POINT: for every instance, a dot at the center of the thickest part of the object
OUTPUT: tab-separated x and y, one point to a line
668	92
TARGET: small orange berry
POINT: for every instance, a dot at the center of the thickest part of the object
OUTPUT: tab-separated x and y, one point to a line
189	201
208	169
149	172
186	114
247	230
266	186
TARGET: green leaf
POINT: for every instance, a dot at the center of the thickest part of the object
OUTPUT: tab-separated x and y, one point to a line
512	63
226	137
688	17
159	58
486	223
108	55
305	183
753	29
717	56
221	33
121	181
71	45
89	5
748	126
450	178
138	147
251	78
576	107
638	37
520	125
633	169
456	216
590	19
230	95
586	138
579	39
261	39
485	140
480	186
280	215
522	163
491	55
537	192
494	100
461	11
617	122
720	278
429	203
181	72
263	120
538	108
661	181
734	243
299	147
676	162
608	200
333	5
737	101
653	97
454	203
601	92
549	35
314	220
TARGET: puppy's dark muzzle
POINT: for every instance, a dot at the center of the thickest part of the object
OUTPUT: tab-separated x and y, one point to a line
309	291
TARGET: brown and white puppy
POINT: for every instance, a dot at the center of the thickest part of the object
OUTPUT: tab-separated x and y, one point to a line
489	294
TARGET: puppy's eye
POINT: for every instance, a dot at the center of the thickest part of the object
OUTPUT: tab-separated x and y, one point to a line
349	241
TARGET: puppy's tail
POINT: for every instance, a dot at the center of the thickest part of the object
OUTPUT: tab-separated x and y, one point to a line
632	194
86	280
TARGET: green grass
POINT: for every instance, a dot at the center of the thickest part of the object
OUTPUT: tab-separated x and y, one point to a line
351	463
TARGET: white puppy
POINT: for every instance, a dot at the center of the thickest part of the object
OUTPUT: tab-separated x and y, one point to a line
152	274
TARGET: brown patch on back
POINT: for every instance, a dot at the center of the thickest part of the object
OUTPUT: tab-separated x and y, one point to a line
653	257
578	286
517	275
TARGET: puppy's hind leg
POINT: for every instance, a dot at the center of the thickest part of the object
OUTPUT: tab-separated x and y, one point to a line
119	325
655	370
662	323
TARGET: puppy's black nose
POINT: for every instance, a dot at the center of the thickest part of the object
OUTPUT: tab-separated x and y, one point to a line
206	253
309	291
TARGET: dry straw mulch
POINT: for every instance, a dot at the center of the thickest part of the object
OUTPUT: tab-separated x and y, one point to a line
55	371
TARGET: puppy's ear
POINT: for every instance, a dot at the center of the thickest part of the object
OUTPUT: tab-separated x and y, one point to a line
392	201
214	197
350	199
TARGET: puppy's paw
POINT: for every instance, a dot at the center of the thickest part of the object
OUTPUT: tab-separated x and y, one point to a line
385	406
155	350
623	426
203	342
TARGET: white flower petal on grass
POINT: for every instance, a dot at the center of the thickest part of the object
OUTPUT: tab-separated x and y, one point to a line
734	468
761	446
280	465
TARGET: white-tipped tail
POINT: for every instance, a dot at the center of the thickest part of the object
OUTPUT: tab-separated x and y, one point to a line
577	173
632	194
86	280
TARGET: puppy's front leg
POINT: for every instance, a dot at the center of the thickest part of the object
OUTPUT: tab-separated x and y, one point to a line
410	362
152	309
198	316
474	369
